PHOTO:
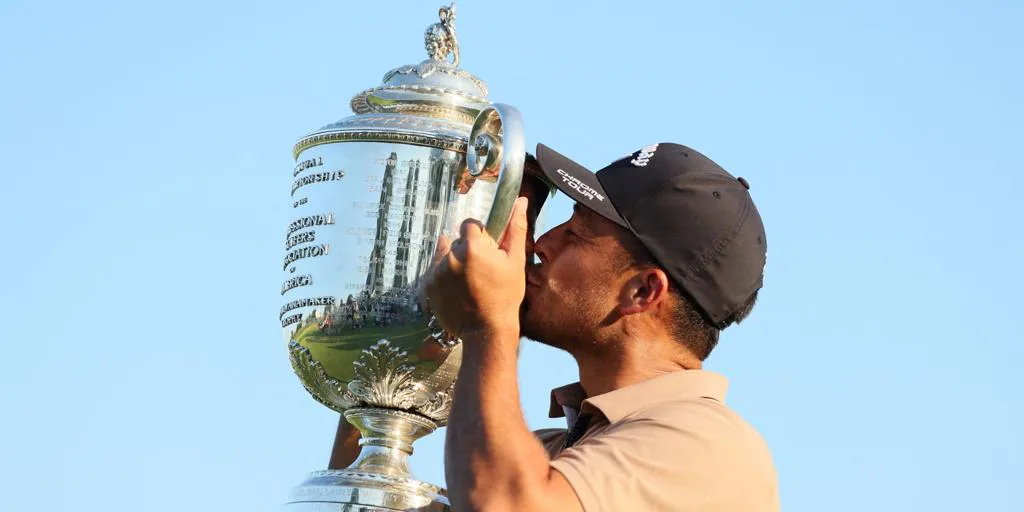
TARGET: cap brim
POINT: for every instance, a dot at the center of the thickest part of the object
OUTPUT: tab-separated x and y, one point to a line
577	182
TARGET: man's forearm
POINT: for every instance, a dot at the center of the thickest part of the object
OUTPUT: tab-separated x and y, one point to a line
492	460
346	445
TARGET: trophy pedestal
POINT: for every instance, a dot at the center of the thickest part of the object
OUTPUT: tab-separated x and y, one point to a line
354	491
379	480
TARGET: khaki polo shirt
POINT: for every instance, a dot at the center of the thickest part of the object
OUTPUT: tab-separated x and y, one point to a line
668	443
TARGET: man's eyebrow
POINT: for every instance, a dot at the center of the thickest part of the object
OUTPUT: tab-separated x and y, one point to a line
581	214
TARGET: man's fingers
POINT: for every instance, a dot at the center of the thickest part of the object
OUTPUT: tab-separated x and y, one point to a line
448	264
454	262
443	246
513	241
441	250
470	228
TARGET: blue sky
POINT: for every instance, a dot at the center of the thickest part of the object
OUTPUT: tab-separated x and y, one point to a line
146	149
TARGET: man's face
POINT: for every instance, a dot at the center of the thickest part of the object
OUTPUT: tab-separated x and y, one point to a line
573	289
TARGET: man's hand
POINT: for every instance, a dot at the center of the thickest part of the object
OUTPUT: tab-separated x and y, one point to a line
492	460
477	284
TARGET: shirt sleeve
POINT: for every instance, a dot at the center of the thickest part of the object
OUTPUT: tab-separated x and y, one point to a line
645	464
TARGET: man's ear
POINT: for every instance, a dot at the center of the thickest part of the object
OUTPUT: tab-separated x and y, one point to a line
643	290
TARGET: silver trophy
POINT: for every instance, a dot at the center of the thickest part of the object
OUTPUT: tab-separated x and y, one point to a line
371	194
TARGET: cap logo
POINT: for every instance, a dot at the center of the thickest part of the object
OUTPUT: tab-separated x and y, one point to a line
646	153
586	190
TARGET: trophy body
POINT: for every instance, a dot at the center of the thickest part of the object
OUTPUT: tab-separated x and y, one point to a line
371	194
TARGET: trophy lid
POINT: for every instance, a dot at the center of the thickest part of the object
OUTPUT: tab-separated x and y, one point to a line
435	99
436	80
434	87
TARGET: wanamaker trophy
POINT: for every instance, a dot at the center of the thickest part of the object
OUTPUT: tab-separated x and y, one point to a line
371	194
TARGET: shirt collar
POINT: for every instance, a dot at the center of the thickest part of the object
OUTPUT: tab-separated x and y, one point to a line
570	395
618	403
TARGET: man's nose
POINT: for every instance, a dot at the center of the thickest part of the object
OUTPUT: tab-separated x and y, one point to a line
541	247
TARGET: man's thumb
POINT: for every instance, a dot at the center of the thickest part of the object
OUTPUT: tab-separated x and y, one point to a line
514	239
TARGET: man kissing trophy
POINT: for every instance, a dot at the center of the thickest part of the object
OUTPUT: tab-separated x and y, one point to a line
371	195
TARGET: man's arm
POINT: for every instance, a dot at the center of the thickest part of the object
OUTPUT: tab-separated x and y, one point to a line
534	188
346	445
492	460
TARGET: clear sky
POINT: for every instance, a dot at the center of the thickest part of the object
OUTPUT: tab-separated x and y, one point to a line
146	156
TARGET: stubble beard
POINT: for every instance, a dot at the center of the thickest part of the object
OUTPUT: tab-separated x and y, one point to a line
566	323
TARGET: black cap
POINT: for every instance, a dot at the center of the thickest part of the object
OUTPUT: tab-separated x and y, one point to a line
697	220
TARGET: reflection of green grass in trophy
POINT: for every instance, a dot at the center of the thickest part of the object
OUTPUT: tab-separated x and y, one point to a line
337	352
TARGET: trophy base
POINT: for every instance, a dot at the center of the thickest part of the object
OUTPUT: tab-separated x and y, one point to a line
355	491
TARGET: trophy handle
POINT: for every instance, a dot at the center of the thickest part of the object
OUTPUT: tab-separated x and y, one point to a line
497	152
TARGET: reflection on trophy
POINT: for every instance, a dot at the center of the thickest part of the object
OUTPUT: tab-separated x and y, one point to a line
371	195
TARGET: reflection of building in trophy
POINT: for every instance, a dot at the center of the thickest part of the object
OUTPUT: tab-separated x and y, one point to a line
402	252
394	307
439	191
408	223
347	313
375	277
313	317
409	218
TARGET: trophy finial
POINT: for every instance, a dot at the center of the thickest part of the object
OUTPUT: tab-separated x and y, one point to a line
437	74
440	39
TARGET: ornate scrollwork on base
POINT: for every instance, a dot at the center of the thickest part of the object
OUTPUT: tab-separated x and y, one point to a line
384	378
311	373
441	336
439	405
